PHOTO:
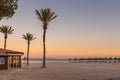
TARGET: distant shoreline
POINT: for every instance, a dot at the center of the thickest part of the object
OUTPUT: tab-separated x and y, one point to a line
75	60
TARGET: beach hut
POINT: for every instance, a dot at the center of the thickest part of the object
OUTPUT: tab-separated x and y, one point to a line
10	59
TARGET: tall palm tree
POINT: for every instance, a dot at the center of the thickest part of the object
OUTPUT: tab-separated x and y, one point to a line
28	37
6	30
45	16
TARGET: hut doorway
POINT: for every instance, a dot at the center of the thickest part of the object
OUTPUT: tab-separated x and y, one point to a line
14	61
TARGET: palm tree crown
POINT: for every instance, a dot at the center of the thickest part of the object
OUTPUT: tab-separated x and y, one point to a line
6	30
29	37
45	16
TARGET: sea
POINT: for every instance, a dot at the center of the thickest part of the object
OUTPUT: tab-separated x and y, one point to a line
47	61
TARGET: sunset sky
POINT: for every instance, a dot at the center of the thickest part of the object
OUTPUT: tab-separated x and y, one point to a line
83	28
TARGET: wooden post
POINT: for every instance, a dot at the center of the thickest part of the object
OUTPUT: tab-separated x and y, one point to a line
19	61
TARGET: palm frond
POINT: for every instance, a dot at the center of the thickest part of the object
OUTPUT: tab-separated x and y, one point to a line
45	16
6	29
29	37
39	16
53	17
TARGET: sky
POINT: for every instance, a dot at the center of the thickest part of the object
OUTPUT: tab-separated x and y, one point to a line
83	28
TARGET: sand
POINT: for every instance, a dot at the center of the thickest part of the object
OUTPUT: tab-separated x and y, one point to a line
64	71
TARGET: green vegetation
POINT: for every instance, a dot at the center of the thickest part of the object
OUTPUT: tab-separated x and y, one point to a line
7	8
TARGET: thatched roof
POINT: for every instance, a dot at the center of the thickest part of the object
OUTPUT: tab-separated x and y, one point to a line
9	52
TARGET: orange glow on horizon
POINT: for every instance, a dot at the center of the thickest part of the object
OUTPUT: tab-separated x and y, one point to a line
69	50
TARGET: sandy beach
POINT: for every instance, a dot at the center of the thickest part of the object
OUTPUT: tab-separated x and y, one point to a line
64	71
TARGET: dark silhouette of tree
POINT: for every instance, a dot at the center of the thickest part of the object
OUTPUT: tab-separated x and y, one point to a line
6	30
45	16
69	59
106	59
110	59
7	8
28	37
119	59
75	59
115	59
24	58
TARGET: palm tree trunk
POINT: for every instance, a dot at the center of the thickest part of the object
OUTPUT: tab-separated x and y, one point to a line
44	48
5	42
28	53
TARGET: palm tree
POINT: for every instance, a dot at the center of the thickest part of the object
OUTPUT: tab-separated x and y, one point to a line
29	37
6	30
45	16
